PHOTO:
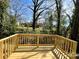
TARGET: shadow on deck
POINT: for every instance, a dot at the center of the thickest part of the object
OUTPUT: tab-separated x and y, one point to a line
33	52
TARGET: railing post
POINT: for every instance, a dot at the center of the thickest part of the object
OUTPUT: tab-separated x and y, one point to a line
73	56
16	39
38	41
56	41
1	50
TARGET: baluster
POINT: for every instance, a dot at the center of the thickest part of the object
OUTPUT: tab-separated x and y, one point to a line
37	40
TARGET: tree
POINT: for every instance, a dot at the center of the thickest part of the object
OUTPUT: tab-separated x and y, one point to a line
58	10
15	14
37	10
51	24
63	25
75	24
69	26
16	6
48	24
3	6
12	23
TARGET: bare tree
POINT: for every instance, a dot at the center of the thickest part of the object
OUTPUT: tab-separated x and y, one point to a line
17	7
69	26
74	2
38	10
58	9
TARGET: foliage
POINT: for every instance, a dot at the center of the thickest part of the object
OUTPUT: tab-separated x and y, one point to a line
7	22
48	25
3	6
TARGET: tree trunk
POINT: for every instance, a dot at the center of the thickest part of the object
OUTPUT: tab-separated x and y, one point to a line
58	9
58	22
33	25
34	21
74	30
58	27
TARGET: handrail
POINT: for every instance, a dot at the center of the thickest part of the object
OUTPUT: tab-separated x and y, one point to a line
67	46
63	46
7	46
8	37
35	39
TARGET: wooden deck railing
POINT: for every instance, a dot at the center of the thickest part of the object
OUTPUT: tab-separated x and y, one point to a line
64	48
35	39
7	46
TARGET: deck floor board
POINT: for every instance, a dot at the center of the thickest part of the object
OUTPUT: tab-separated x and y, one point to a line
33	53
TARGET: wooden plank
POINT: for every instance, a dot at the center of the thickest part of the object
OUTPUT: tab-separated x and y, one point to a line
34	44
33	48
33	55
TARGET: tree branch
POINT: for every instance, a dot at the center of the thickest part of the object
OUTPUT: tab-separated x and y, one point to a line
69	19
74	2
31	8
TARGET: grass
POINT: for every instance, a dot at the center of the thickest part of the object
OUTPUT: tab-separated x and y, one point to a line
29	30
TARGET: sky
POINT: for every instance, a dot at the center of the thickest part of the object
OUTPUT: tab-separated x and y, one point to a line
27	13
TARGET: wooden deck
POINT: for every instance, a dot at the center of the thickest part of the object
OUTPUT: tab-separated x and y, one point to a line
33	53
37	46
